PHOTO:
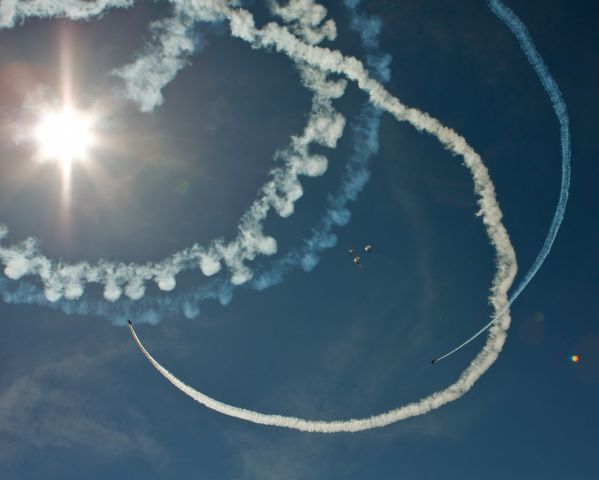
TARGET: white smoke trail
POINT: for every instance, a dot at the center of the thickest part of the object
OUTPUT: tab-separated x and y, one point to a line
14	11
151	308
326	61
356	174
520	31
172	42
276	36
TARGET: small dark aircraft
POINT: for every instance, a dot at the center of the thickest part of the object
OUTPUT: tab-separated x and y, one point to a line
129	322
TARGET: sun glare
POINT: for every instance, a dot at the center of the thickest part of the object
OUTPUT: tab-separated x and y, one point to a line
64	136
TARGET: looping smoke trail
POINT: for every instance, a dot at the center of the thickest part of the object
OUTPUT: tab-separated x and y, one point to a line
281	39
172	43
507	16
144	80
293	41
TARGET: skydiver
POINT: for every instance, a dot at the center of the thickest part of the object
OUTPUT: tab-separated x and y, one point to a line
368	248
357	261
352	252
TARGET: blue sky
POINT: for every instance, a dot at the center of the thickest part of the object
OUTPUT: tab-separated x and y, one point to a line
78	400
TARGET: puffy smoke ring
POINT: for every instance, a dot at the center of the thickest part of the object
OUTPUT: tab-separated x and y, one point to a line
279	38
324	127
275	36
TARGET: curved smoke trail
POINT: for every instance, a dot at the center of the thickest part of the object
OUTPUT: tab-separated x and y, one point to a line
299	41
281	39
507	16
172	41
421	407
149	78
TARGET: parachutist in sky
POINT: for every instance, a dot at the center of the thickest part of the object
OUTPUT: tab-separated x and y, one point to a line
368	248
357	261
352	252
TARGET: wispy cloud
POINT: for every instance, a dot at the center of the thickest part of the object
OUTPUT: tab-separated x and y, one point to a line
41	408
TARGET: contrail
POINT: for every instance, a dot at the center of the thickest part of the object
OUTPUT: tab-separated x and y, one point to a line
277	37
356	174
14	11
421	407
171	44
507	16
299	41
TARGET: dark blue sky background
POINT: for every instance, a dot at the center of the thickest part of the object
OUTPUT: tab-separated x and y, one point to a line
78	400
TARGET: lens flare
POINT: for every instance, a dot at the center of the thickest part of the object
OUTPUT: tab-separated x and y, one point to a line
574	358
64	135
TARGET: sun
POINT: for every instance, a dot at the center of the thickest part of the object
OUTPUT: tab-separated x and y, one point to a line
64	135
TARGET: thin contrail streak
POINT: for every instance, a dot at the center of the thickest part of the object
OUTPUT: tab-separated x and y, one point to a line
507	16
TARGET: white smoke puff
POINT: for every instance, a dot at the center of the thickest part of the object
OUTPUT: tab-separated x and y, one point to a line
72	291
314	166
112	292
3	231
204	11
167	54
17	267
305	11
318	81
266	245
13	11
209	265
305	19
285	205
324	129
165	281
70	278
241	275
53	294
243	26
135	290
20	260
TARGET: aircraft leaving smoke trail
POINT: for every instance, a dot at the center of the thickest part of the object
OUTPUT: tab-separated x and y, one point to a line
325	61
507	16
280	38
297	45
318	426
